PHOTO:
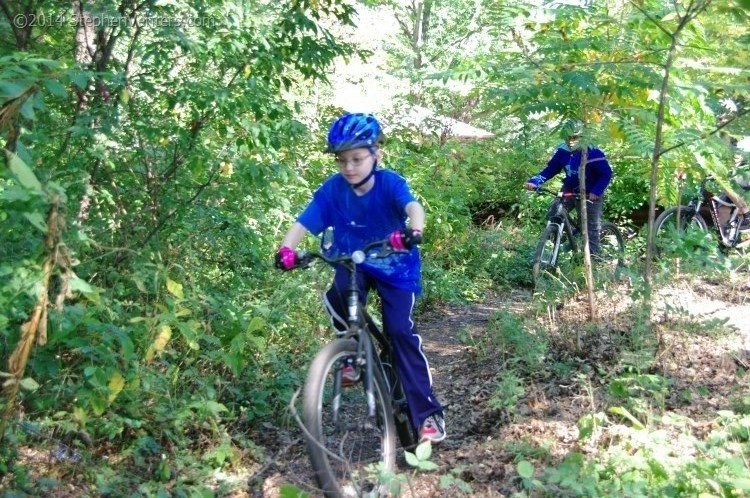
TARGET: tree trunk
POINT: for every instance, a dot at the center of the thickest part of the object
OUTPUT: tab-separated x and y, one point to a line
583	220
694	9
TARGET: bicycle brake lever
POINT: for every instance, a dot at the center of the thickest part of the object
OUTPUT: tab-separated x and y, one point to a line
305	260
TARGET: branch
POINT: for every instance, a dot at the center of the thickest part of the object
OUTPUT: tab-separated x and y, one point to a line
648	16
10	15
453	44
404	27
705	135
172	213
526	54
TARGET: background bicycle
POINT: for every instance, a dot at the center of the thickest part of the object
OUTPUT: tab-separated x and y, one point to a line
560	242
352	428
680	228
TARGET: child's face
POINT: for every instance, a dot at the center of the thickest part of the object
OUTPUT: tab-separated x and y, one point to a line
355	164
573	141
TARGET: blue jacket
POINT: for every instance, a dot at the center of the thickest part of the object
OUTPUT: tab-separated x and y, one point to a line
360	219
598	171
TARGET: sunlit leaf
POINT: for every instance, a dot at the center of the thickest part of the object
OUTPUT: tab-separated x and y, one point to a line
160	342
23	173
174	288
28	384
525	469
424	450
116	383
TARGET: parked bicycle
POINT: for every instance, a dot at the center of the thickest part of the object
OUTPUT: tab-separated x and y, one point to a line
353	428
561	236
724	215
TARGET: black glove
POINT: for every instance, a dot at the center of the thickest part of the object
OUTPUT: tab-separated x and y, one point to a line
412	237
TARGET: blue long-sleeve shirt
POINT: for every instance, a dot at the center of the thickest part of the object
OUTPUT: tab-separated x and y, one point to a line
598	171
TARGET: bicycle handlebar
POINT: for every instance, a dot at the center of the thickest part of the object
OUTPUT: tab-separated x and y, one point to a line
356	257
567	195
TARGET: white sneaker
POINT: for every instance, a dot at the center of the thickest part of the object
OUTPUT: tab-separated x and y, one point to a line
433	429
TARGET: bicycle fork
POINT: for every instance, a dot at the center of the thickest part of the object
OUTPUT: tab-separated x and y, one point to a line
558	238
364	344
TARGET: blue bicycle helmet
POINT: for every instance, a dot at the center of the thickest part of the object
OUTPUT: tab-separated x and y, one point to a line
352	131
571	128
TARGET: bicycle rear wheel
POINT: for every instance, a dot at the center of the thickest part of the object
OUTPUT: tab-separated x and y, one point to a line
346	446
545	257
669	238
612	255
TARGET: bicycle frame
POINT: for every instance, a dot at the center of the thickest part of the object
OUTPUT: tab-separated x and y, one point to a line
360	325
729	239
558	215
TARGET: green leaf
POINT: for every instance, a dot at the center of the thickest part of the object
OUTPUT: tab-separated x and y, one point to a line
37	221
525	469
424	451
174	288
29	384
427	465
77	284
55	88
10	89
216	408
623	412
589	422
23	173
290	491
80	79
115	385
411	459
257	323
27	110
98	405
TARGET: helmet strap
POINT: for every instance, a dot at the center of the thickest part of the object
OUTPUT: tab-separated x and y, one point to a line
367	178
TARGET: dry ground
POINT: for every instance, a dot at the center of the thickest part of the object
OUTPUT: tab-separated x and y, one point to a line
700	362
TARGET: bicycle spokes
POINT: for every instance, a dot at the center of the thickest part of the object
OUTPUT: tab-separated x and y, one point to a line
347	438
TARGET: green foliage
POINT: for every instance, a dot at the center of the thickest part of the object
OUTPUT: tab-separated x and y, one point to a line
453	483
508	390
652	465
516	343
420	459
526	449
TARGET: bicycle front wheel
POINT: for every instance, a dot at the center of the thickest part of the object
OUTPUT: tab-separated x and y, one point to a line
669	238
348	449
545	257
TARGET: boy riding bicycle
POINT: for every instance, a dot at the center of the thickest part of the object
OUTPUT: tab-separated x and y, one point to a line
364	203
568	157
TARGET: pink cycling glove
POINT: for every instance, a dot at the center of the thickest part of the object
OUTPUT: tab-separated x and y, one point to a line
286	258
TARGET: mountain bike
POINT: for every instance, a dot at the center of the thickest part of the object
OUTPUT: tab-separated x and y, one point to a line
561	237
724	214
352	429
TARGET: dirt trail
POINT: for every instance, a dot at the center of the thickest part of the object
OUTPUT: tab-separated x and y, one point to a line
481	442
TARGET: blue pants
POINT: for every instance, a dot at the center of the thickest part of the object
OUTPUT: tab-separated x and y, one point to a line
398	304
594	221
